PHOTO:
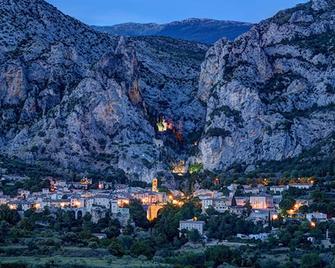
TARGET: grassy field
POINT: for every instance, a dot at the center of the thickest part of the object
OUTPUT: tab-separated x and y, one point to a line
77	257
77	262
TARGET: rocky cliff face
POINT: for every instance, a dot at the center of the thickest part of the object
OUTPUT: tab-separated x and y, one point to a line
270	94
73	99
78	101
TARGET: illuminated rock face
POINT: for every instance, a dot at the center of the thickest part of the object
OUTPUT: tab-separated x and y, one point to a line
270	94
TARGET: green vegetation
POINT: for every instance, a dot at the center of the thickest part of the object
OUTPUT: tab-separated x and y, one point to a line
50	236
311	260
225	226
34	184
43	240
227	111
17	167
195	168
279	83
330	89
138	214
102	142
321	43
312	162
76	262
307	112
284	16
60	135
217	132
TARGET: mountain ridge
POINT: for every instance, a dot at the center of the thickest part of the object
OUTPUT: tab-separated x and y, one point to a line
75	100
270	94
193	29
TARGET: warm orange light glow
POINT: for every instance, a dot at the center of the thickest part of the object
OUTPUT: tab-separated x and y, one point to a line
179	168
37	206
177	203
154	185
12	206
265	182
122	202
275	217
291	212
85	181
76	203
152	211
101	185
313	224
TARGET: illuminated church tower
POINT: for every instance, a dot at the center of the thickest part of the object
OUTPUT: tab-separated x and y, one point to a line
155	185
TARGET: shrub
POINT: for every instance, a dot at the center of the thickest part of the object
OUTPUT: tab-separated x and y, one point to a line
116	248
141	247
42	134
311	260
195	168
61	135
217	132
34	149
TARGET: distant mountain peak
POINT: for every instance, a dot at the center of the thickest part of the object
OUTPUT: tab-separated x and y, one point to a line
201	30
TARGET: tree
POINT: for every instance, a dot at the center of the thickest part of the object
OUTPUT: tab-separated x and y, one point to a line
116	248
286	204
269	264
166	227
188	259
128	230
113	231
26	224
142	247
248	208
218	255
103	223
194	236
226	225
195	168
311	260
70	238
4	229
138	214
126	241
9	215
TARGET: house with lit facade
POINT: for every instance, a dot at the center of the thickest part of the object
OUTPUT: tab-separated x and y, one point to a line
150	198
261	201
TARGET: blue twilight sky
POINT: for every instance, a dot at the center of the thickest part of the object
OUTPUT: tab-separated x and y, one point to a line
109	12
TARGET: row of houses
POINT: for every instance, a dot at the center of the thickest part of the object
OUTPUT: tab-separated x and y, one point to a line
76	197
260	203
